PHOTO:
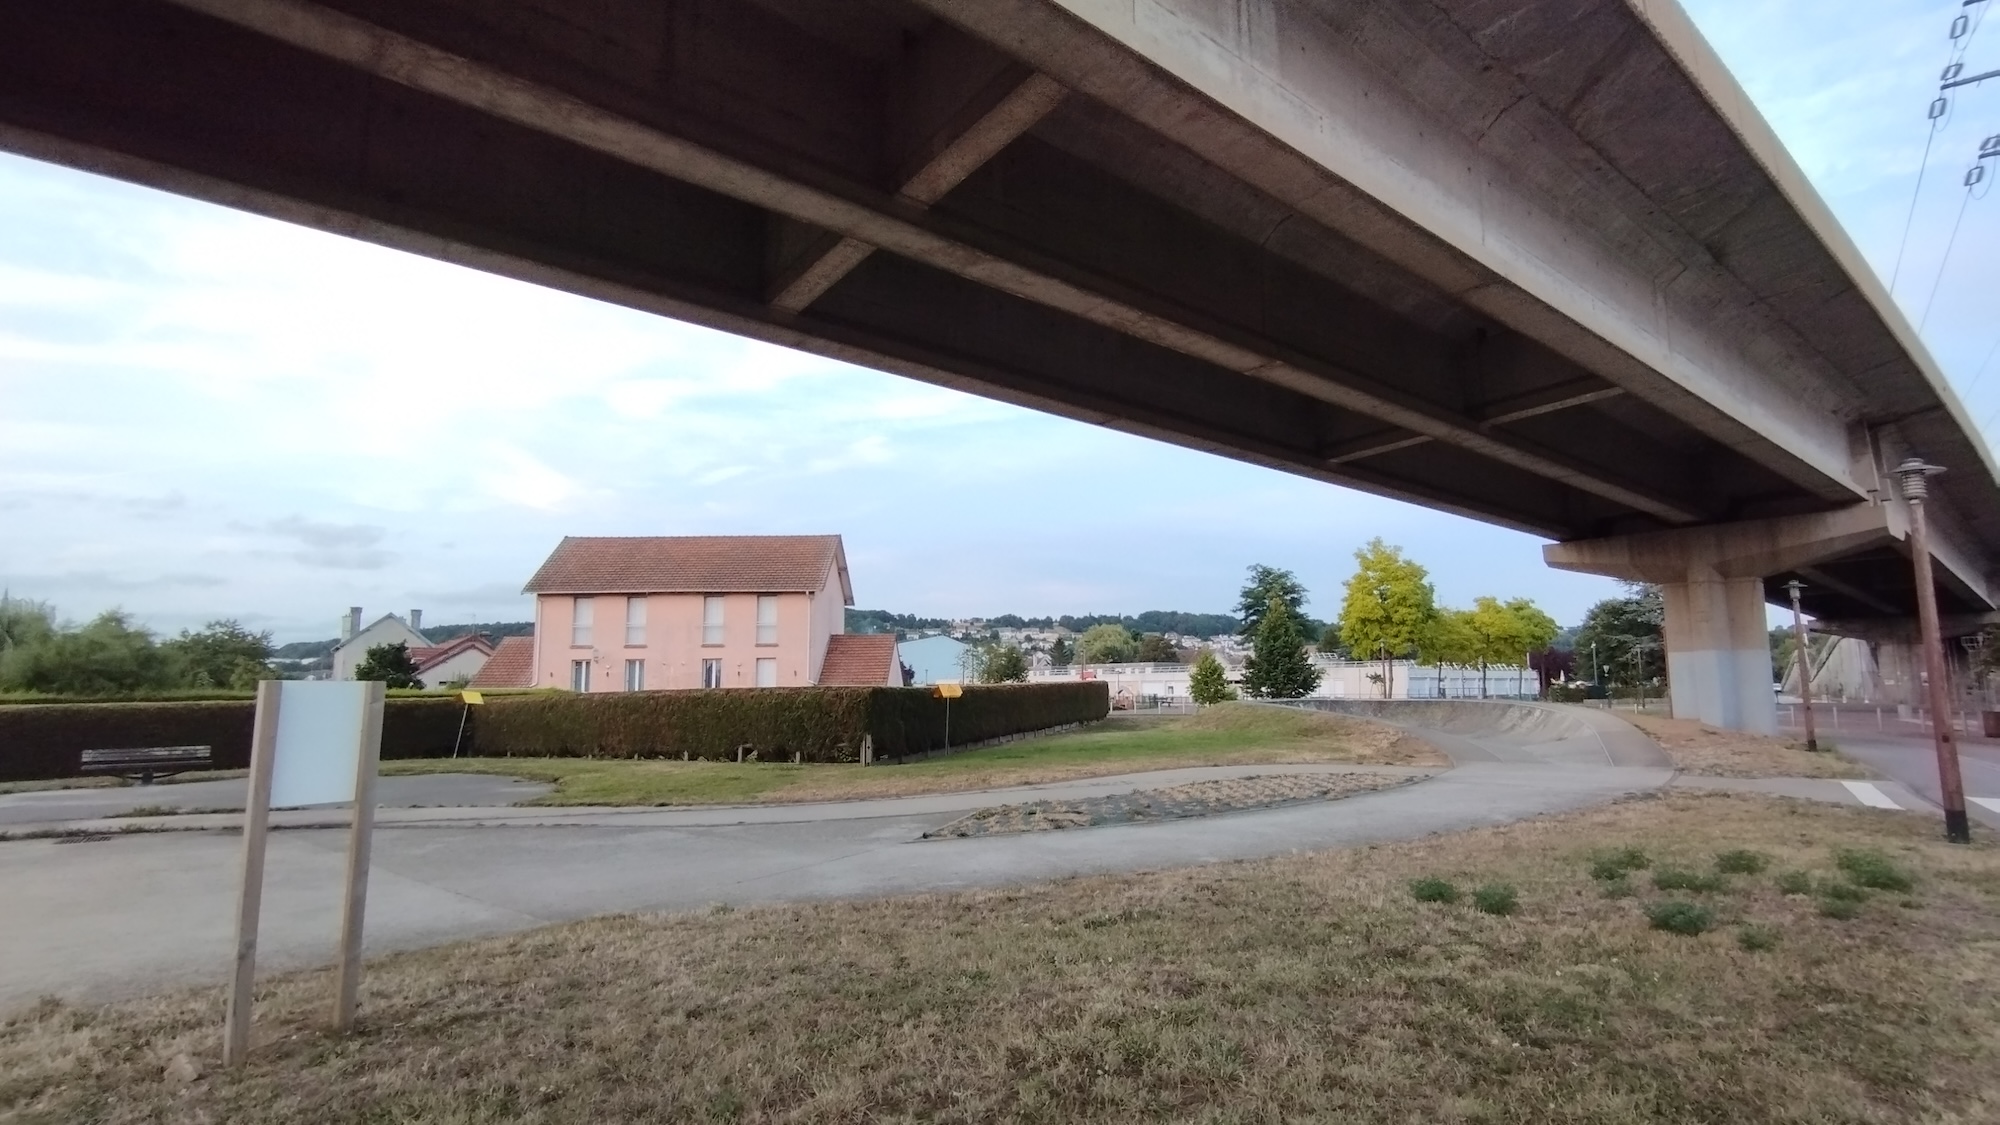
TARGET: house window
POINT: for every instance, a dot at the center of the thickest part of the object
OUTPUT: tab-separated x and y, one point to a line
711	620
711	673
767	619
635	675
635	621
767	671
582	610
579	675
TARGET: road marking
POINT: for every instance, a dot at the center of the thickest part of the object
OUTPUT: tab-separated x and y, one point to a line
1868	794
1990	804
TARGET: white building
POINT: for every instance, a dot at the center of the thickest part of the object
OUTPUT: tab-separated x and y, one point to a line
355	641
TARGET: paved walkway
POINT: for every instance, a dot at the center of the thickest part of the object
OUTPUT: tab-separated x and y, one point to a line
129	914
22	811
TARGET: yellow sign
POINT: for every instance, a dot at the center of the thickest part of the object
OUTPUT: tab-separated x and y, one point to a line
471	697
947	691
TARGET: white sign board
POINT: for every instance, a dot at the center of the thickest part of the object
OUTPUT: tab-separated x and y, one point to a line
319	742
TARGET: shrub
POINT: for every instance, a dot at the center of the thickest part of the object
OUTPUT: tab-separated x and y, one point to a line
1680	917
1496	898
1675	879
1433	890
1614	865
1756	939
1740	862
1795	883
1873	870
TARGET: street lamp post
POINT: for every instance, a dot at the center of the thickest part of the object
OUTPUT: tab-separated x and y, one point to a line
1805	661
1914	475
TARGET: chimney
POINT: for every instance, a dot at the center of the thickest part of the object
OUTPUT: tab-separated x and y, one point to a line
416	621
351	624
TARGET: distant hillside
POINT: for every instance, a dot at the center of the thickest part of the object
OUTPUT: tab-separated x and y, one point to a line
1151	621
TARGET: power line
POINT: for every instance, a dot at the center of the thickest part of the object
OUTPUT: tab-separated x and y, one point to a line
1964	29
1946	260
1915	195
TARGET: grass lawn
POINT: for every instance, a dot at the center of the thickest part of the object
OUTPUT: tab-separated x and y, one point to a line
1700	749
1313	987
1223	735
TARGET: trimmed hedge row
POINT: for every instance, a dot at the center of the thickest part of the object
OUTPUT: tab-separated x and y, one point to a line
815	724
48	740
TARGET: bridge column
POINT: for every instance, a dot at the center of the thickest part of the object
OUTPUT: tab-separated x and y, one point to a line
1712	581
1719	652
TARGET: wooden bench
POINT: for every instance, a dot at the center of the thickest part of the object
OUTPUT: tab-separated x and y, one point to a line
146	762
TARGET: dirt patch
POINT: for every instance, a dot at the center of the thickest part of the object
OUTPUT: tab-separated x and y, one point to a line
1178	802
1704	750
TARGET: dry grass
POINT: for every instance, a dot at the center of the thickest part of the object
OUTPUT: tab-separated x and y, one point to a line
1305	988
1229	734
1700	749
1196	798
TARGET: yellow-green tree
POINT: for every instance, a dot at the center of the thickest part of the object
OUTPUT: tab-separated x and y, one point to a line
1206	683
1388	606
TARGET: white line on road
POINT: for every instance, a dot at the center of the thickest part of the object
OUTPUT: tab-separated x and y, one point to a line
1990	804
1868	794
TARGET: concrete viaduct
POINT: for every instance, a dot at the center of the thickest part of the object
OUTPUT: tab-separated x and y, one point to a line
1537	262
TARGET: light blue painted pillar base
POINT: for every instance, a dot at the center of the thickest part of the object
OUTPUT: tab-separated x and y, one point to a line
1719	652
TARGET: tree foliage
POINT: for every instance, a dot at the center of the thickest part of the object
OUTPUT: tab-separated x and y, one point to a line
1106	644
222	654
1388	606
1207	683
1278	667
1061	655
1156	649
1004	664
1330	641
109	656
1267	583
1616	629
390	663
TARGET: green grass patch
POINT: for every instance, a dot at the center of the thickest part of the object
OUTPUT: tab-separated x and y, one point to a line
1795	883
1741	862
1433	890
1756	939
1617	864
1679	879
1843	892
1496	898
1621	887
1839	909
1872	869
1679	917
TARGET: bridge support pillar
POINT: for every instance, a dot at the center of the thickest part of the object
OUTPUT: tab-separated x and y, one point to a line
1719	652
1712	581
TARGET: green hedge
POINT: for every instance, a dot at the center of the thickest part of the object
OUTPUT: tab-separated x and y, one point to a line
816	724
48	740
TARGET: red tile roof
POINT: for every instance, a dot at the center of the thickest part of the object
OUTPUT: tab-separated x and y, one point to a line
435	654
511	665
859	660
693	564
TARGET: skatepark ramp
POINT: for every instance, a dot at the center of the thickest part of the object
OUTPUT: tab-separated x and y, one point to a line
1495	730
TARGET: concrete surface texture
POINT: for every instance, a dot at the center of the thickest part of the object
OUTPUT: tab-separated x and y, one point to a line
19	810
1540	264
127	914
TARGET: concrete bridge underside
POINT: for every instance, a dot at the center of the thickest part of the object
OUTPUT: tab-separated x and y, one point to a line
1537	262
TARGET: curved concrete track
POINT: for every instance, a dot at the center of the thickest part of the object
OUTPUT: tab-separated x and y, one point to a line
1525	733
130	914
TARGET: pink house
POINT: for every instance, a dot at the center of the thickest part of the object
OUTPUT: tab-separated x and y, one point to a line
638	614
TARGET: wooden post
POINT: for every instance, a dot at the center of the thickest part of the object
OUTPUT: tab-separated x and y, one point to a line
250	901
359	843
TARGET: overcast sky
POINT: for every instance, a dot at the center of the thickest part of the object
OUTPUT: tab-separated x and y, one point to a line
207	414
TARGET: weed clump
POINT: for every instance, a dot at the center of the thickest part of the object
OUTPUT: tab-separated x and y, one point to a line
1795	883
1496	898
1740	862
1433	890
1621	887
1675	879
1680	917
1872	869
1756	939
1839	909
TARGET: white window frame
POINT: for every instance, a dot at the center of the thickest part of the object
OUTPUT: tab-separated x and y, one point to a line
767	619
711	673
582	616
635	622
579	676
767	671
711	620
635	675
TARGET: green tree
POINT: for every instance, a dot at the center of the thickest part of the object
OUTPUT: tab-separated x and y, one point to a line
1278	667
223	654
1060	654
1156	649
1267	582
1503	633
1207	684
109	656
391	664
1621	638
24	623
1106	644
1004	664
1388	605
1447	640
1329	641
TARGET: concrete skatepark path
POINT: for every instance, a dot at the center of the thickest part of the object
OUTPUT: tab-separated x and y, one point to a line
98	918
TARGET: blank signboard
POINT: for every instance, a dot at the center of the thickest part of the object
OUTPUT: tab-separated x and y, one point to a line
319	742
